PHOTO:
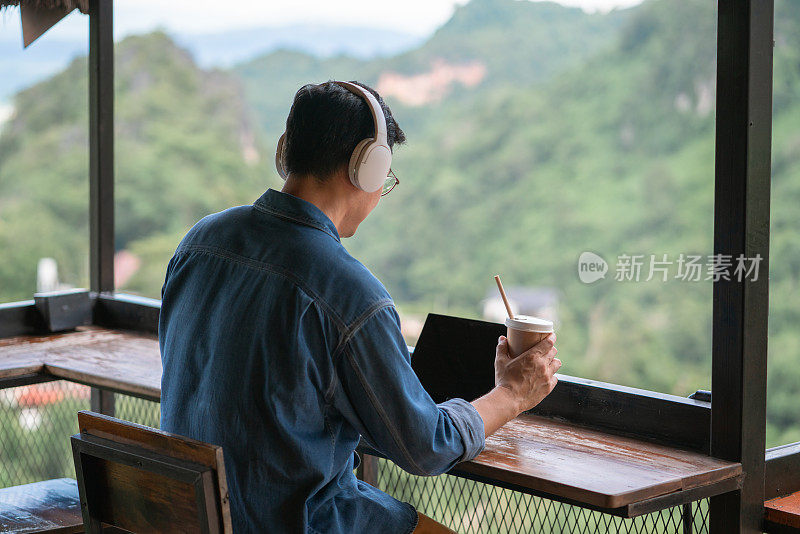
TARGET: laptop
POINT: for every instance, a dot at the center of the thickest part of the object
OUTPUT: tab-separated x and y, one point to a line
454	357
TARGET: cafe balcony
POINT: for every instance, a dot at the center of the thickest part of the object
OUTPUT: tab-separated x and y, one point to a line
592	457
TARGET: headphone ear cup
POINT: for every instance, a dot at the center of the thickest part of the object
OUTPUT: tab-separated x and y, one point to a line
374	167
354	167
279	157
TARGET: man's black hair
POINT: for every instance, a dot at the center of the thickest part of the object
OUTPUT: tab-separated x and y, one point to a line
325	124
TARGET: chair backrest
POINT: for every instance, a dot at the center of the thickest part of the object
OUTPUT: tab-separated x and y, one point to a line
141	479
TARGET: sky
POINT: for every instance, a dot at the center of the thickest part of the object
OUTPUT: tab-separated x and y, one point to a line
417	17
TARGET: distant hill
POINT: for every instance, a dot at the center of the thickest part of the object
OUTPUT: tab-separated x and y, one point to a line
185	147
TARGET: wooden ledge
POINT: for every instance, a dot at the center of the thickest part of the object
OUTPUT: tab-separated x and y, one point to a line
782	514
126	362
596	468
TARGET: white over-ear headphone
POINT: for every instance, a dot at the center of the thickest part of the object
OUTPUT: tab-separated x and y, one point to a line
372	158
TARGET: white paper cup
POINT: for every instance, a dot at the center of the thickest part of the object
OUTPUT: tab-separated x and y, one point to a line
523	332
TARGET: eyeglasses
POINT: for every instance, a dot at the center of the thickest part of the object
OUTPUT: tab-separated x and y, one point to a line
390	183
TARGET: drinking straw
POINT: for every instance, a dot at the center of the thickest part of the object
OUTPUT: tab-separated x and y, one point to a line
503	294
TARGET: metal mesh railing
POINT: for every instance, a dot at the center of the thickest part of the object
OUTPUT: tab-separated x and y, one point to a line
36	422
469	507
137	410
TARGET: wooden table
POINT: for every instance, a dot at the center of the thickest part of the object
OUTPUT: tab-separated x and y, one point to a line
591	468
121	361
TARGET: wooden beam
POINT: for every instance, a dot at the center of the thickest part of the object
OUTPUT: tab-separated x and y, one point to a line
19	319
103	401
741	227
367	470
782	471
101	146
659	417
128	312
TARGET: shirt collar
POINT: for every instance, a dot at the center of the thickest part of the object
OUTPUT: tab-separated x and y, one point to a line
296	209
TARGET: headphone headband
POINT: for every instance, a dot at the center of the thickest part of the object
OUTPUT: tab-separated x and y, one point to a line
374	107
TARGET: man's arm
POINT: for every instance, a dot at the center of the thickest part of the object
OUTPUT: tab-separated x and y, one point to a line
520	383
381	396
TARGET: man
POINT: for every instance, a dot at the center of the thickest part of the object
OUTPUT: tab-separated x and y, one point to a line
283	349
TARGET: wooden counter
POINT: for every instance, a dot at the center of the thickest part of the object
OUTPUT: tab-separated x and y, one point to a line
532	453
121	361
590	466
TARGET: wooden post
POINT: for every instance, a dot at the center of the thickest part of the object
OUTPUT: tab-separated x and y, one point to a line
687	519
101	146
101	162
741	227
367	471
103	401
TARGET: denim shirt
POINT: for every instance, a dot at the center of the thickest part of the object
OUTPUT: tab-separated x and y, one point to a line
283	349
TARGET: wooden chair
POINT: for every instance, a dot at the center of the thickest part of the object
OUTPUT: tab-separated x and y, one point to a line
140	479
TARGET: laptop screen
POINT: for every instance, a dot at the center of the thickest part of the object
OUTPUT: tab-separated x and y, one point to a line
454	357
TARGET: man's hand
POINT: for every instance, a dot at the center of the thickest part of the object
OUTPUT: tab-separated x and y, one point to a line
530	377
520	383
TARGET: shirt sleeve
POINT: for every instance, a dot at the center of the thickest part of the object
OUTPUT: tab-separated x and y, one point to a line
381	396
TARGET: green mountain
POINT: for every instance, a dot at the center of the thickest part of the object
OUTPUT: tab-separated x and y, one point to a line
535	133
